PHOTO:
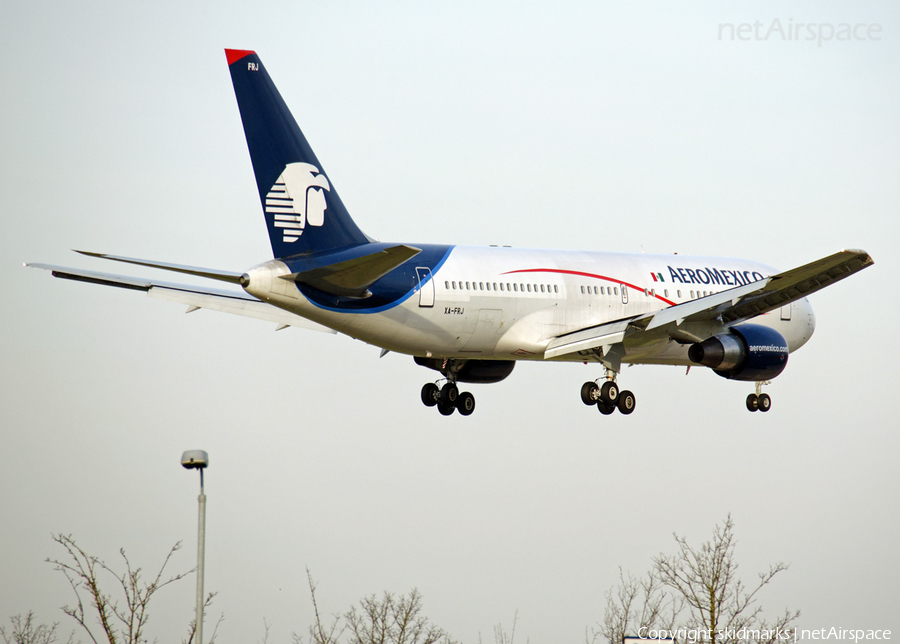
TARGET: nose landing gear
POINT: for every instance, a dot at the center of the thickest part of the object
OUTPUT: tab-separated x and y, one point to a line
759	401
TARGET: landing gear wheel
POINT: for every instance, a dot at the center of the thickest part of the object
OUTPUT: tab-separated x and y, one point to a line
605	408
609	392
430	393
449	394
626	402
465	403
753	402
589	391
764	402
446	410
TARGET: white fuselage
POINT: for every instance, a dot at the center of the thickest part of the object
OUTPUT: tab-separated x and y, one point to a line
508	304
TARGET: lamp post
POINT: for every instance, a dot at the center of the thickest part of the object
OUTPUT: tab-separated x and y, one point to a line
197	459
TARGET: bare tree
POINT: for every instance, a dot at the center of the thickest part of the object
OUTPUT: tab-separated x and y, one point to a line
696	591
385	620
319	633
192	628
637	605
500	634
393	620
26	631
122	616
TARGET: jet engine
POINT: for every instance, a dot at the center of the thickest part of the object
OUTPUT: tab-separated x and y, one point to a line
747	352
477	371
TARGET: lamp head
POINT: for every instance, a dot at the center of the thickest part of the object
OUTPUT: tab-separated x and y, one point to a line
195	459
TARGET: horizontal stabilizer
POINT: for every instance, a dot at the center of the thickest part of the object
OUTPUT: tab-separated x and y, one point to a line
353	277
209	273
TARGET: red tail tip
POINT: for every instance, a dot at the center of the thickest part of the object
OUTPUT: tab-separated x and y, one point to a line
234	55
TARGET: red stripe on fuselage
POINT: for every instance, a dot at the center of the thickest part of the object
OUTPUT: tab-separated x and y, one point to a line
592	275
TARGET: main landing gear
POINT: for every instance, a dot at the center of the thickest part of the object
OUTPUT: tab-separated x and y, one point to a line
607	396
448	399
759	401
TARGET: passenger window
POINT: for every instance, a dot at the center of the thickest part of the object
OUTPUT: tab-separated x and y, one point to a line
542	288
653	292
481	286
679	293
515	288
555	288
495	286
454	285
666	292
501	286
582	290
467	286
529	288
615	290
447	285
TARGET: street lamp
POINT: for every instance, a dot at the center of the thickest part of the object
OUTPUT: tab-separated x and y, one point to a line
197	459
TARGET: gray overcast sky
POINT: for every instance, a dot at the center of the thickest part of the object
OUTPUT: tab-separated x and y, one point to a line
602	126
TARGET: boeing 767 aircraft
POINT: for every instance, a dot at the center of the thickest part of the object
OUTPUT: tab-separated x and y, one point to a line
470	312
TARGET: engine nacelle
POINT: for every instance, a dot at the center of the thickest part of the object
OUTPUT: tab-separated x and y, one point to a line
746	352
476	371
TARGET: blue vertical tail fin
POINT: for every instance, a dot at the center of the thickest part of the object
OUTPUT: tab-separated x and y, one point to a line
302	208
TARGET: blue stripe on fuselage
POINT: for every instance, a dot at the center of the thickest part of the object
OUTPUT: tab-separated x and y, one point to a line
391	290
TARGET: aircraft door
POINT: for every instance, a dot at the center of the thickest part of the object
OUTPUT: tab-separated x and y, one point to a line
426	286
624	294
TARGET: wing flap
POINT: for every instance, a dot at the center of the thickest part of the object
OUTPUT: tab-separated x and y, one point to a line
234	302
718	302
586	339
91	277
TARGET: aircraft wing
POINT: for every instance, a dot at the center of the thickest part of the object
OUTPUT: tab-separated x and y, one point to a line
209	273
699	319
193	297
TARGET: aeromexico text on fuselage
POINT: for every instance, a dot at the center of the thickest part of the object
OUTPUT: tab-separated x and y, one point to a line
725	277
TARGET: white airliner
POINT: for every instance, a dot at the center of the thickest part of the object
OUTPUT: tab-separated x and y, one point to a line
471	312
